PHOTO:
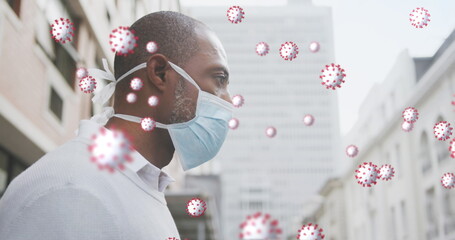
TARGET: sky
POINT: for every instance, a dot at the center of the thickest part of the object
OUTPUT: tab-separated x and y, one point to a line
380	26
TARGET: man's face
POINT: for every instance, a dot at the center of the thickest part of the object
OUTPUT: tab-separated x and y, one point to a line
210	71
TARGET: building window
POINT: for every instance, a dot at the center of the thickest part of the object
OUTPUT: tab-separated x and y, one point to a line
65	64
449	211
15	5
399	170
10	167
424	154
56	104
442	151
431	219
404	220
393	226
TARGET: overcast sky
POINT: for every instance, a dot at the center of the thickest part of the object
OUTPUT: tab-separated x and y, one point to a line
383	27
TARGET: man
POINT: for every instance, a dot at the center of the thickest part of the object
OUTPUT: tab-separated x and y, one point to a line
65	196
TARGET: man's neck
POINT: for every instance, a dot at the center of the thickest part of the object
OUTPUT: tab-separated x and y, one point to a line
155	146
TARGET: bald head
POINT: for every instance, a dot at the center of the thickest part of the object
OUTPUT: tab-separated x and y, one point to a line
174	34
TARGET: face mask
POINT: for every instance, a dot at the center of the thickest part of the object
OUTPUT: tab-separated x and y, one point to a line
200	139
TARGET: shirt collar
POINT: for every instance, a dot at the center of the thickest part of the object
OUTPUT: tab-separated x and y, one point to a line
147	172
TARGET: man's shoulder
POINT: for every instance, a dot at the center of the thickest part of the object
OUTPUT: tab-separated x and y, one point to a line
68	165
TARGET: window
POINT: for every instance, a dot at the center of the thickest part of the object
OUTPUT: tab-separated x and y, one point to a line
442	152
404	219
431	219
448	204
65	64
256	205
10	167
56	104
424	153
393	225
15	5
398	170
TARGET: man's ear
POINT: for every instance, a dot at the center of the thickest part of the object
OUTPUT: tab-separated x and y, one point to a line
157	66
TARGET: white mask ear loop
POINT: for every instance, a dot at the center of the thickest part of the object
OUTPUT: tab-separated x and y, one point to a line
137	119
184	74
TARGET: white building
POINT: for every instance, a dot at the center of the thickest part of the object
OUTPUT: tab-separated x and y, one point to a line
414	205
275	175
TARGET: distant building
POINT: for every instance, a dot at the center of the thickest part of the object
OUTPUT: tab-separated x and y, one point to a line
413	205
275	175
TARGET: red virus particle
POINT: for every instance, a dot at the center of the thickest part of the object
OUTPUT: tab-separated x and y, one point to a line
87	84
81	73
148	124
310	232
332	76
131	97
262	48
410	115
352	151
238	100
442	130
314	47
448	180
289	51
453	102
233	123
259	226
270	132
419	17
308	119
153	101
367	174
406	126
386	172
136	84
172	238
123	41
110	149
452	148
62	30
196	207
152	47
235	14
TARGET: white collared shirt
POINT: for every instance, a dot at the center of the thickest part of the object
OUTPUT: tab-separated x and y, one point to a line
64	196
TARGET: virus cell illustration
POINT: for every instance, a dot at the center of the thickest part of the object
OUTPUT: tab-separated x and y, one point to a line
332	76
270	132
452	148
81	73
453	102
238	100
410	115
123	41
386	172
448	180
260	226
310	232
352	150
235	14
289	51
131	97
262	48
152	47
419	17
148	124
136	84
407	127
233	123
196	207
153	101
314	47
171	238
442	130
87	84
308	119
110	148
366	174
62	30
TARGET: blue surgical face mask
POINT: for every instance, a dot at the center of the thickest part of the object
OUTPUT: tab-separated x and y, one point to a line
200	139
